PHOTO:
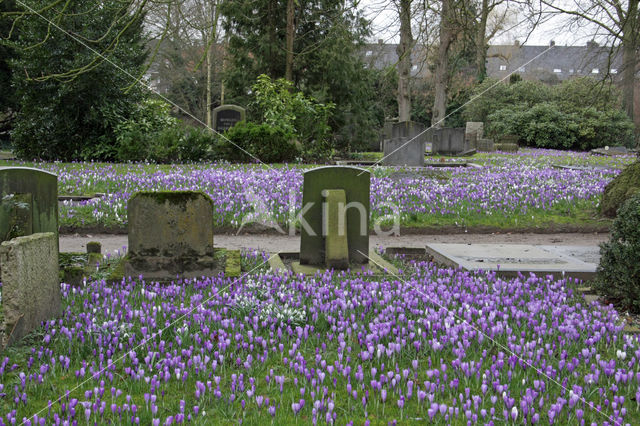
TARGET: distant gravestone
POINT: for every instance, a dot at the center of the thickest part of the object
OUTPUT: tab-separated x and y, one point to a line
406	146
226	116
504	139
29	274
610	151
485	145
28	202
355	182
448	141
474	131
170	233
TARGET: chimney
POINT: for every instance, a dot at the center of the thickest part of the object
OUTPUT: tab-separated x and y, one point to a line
516	43
552	43
380	41
592	44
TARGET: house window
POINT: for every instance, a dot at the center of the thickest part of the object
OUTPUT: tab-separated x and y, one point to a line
414	68
557	70
503	67
595	71
571	71
369	52
521	69
614	70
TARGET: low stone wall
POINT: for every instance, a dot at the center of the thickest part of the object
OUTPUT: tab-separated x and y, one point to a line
30	284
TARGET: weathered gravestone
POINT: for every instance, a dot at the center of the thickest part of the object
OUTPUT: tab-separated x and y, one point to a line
474	131
406	146
226	116
485	145
28	202
448	141
170	233
30	284
324	192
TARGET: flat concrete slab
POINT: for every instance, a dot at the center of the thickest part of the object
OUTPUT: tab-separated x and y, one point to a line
284	261
510	259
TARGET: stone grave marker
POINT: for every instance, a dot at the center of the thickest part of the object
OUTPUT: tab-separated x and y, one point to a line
406	146
610	151
474	131
226	116
170	233
485	145
448	141
510	259
29	274
325	183
28	202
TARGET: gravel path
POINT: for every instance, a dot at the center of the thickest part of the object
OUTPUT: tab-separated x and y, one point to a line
279	243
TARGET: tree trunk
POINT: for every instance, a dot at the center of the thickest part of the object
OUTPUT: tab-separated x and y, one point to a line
481	42
208	101
630	43
288	74
272	13
442	65
404	62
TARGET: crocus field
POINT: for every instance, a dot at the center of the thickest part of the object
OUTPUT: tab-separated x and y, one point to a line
432	345
512	190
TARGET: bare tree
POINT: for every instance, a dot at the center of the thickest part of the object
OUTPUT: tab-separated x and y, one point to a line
447	36
404	50
484	33
617	21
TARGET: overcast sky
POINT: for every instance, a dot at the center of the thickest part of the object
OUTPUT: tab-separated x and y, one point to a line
385	26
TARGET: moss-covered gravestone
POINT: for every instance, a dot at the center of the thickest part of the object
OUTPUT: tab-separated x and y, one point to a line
30	286
28	202
323	190
170	234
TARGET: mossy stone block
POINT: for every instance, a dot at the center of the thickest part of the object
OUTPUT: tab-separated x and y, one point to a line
356	183
233	265
620	189
169	224
94	247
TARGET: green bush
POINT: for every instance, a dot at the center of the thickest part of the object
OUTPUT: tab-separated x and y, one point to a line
542	125
579	114
265	142
618	275
294	114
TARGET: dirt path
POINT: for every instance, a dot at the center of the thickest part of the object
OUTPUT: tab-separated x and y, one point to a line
279	243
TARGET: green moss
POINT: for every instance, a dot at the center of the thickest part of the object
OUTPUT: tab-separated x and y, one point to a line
72	275
233	265
94	247
69	259
174	197
116	271
620	189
